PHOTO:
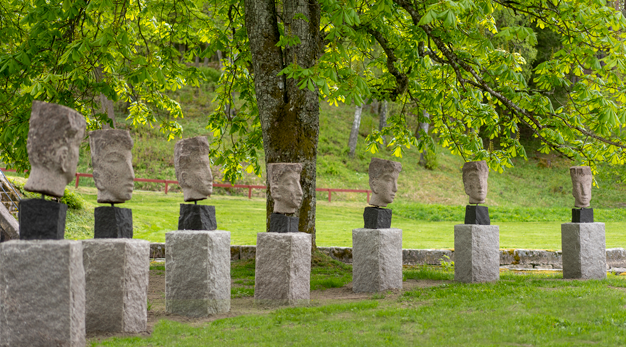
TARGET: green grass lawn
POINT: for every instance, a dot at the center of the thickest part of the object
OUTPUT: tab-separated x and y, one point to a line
155	213
539	309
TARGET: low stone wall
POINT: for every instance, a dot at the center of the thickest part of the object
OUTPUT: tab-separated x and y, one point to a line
511	258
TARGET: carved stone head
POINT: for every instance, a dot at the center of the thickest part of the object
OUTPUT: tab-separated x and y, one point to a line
53	144
475	174
285	186
191	160
581	185
383	181
112	161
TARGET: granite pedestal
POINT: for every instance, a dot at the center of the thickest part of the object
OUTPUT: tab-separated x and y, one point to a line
41	219
113	222
42	293
116	285
377	218
475	214
476	253
376	260
582	215
197	272
197	217
280	223
584	250
283	269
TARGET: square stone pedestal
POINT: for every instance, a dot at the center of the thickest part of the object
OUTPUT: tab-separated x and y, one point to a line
42	293
197	217
116	285
476	253
376	260
584	250
113	222
41	219
283	269
197	272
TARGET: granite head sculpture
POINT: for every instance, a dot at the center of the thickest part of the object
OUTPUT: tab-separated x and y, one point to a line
54	138
112	161
475	174
191	160
581	185
284	179
383	181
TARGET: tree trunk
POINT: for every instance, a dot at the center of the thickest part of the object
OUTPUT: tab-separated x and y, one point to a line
423	126
382	118
354	133
106	105
289	116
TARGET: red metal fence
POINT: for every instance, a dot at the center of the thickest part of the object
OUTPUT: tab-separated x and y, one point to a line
222	185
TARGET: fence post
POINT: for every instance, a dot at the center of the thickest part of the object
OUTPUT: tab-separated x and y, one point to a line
329	193
77	178
249	192
368	197
166	186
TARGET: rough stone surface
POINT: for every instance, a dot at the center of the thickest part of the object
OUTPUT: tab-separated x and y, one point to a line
8	225
426	256
191	161
54	137
537	257
376	260
42	219
475	214
616	257
197	272
197	217
377	218
283	269
584	250
42	293
581	185
582	215
113	222
476	253
116	285
475	175
383	180
284	179
112	164
247	252
279	223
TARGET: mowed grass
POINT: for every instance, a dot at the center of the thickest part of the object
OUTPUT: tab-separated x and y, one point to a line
155	213
539	309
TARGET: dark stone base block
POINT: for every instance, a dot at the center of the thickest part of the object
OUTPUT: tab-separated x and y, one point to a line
279	223
582	215
377	218
113	223
475	214
197	217
42	219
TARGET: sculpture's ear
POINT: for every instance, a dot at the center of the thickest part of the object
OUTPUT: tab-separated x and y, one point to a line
374	186
274	191
62	154
183	178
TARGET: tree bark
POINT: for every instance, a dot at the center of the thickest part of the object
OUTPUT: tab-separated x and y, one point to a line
382	118
354	133
289	116
106	105
423	126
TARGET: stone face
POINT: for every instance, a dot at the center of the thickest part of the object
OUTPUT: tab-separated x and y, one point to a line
584	250
283	269
116	285
42	219
42	293
191	160
377	218
197	272
197	217
475	214
113	222
284	179
581	185
112	164
279	223
383	179
54	137
582	215
476	253
475	175
8	225
376	260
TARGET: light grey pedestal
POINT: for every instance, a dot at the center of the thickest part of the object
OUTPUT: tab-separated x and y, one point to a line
584	250
197	272
283	269
42	293
476	253
116	285
376	260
